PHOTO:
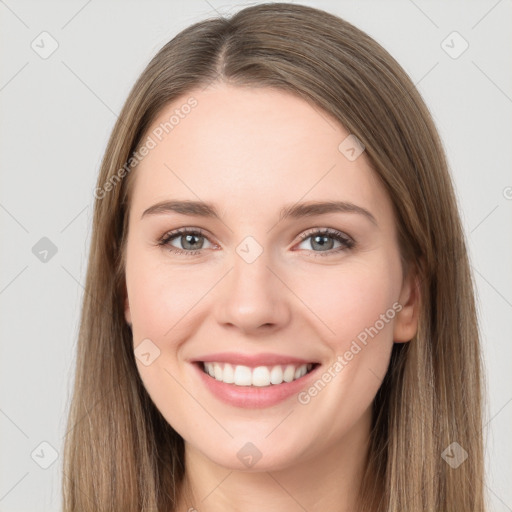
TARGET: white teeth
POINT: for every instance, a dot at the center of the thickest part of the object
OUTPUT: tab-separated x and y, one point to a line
276	375
300	371
243	376
289	373
217	371
228	374
260	376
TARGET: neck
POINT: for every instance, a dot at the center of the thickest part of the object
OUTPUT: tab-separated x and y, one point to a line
328	481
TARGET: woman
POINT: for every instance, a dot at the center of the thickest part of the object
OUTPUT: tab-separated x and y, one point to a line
223	365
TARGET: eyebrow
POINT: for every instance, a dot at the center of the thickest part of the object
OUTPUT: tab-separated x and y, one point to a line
293	211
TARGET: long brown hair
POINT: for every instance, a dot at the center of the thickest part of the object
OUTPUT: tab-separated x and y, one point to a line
120	453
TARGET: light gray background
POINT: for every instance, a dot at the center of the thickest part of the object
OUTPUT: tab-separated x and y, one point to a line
57	114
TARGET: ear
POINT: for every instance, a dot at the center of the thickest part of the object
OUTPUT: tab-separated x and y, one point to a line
406	321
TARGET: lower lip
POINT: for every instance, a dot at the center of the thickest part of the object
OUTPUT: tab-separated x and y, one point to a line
253	397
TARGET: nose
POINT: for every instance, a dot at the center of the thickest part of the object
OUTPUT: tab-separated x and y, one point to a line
253	298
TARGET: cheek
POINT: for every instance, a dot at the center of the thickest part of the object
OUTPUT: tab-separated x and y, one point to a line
168	306
350	300
162	309
356	304
160	298
355	308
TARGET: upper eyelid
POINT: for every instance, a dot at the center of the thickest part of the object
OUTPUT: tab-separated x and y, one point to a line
327	231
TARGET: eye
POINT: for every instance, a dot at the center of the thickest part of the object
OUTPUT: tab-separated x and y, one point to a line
190	239
324	240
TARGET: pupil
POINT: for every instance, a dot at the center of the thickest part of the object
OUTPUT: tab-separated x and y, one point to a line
188	239
321	244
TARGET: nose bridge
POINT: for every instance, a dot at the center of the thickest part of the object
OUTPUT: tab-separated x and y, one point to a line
250	275
252	296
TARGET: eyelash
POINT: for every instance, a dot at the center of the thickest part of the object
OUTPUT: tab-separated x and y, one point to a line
347	242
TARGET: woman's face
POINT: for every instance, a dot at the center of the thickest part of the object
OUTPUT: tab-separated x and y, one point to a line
267	287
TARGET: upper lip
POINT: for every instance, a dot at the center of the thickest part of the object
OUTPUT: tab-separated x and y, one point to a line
251	360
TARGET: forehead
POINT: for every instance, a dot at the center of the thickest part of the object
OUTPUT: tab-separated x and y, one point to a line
251	149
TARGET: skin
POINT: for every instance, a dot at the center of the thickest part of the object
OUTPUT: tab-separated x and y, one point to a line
250	152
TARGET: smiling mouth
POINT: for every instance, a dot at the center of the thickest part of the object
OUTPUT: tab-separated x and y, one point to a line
260	376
